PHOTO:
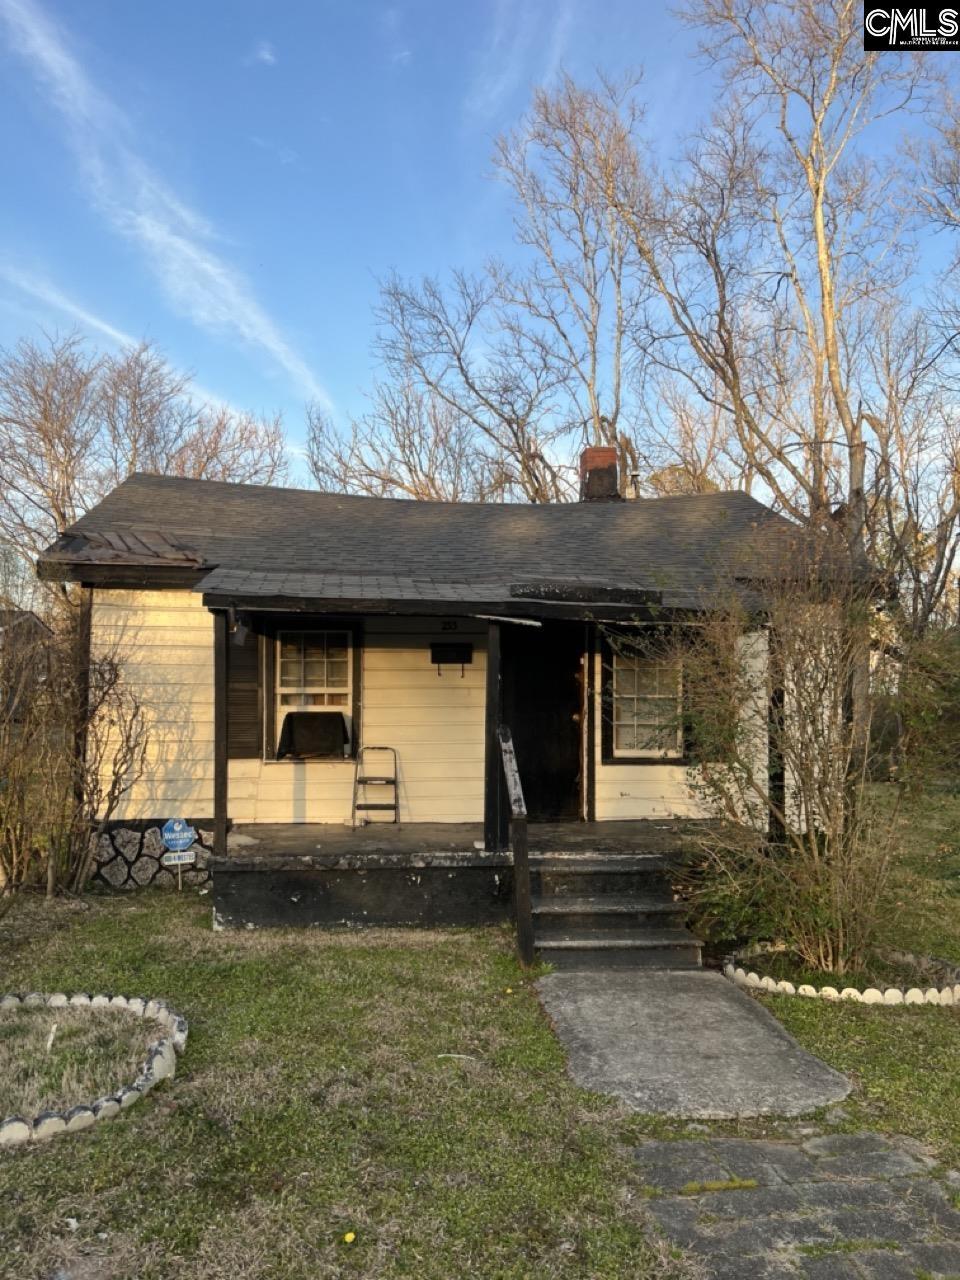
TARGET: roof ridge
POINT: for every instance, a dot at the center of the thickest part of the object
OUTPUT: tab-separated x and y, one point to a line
710	496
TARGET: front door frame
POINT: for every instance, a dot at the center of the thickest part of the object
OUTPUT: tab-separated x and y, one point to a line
502	679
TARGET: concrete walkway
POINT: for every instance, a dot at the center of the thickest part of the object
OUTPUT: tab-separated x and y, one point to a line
685	1044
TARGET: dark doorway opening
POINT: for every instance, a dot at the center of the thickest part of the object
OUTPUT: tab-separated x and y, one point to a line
542	704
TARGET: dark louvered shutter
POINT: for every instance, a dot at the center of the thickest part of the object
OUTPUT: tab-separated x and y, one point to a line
244	702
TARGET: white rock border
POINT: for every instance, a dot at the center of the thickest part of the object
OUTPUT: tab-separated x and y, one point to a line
947	995
159	1064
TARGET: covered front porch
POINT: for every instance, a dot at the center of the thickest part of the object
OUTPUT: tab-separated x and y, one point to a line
436	707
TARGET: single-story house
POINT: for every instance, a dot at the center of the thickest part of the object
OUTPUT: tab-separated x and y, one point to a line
327	676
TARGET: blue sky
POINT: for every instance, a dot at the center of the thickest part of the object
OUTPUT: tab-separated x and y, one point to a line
231	180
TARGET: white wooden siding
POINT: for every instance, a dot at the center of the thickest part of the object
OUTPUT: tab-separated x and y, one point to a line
164	640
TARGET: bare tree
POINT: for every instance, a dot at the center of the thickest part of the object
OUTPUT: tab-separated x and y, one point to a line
410	445
769	247
465	348
519	366
913	497
580	288
683	445
74	423
151	422
49	427
744	316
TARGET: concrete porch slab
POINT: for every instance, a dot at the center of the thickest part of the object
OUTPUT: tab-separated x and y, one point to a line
298	844
685	1044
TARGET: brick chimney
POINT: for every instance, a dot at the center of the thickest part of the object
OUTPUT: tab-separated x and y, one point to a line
598	474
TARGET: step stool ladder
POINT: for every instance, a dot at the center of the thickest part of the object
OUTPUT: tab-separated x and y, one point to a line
364	777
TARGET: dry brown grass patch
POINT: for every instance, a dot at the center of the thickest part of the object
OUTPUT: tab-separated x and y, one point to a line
52	1059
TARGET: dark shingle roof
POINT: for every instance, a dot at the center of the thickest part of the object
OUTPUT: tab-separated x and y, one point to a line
263	541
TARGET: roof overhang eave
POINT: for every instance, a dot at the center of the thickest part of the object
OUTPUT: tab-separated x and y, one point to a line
543	610
142	577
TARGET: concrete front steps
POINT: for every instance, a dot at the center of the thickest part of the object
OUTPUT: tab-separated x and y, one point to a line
609	911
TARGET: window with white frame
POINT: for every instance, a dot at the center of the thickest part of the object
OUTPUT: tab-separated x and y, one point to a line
313	671
646	706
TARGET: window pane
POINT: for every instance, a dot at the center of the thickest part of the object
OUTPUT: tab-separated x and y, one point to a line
669	678
649	738
624	678
310	666
647	679
624	738
289	673
293	699
624	710
655	710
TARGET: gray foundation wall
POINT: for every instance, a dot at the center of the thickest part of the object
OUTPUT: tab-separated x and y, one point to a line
127	856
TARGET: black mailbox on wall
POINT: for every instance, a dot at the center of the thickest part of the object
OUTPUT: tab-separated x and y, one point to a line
451	653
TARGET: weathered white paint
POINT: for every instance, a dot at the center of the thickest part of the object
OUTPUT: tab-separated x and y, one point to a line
164	640
436	722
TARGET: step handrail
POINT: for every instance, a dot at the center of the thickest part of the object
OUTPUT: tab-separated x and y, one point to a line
522	902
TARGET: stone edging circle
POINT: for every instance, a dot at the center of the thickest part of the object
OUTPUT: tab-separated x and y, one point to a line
946	995
160	1064
949	995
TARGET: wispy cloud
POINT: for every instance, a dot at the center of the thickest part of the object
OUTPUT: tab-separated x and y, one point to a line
51	298
177	242
263	53
526	45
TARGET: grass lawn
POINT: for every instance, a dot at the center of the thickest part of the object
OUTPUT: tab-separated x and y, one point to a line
400	1086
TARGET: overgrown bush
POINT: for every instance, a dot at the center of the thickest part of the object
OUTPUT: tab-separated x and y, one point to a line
72	742
781	759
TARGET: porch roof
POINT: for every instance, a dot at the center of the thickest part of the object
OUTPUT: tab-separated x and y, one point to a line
333	592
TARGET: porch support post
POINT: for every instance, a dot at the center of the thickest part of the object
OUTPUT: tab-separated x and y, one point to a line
220	732
776	772
590	709
495	815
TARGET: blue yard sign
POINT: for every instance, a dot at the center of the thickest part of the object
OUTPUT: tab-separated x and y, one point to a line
177	834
